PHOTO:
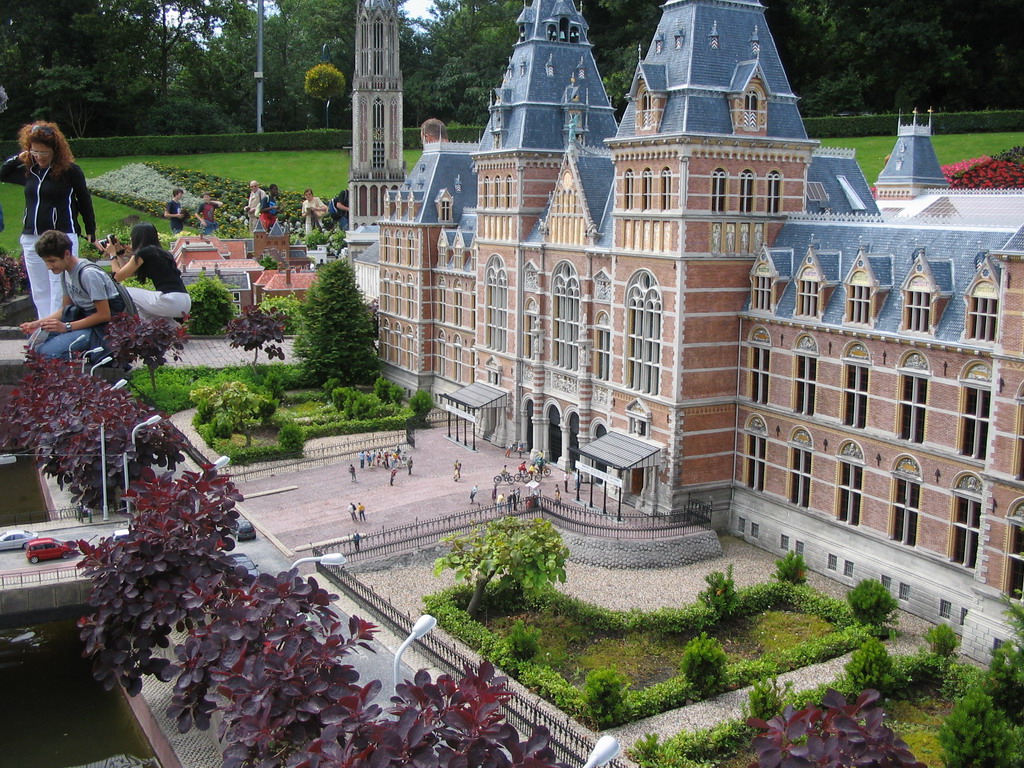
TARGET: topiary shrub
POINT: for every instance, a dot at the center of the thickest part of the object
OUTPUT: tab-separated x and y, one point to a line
720	596
872	604
791	569
289	437
870	667
942	640
387	391
604	694
212	307
977	733
766	699
523	641
703	664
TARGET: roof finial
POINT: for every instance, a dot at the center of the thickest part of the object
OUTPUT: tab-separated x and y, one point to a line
639	53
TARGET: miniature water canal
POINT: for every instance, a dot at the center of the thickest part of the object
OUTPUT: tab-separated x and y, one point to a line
55	715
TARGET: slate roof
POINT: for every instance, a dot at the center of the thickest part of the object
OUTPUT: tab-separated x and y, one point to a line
829	167
952	254
699	76
443	165
597	174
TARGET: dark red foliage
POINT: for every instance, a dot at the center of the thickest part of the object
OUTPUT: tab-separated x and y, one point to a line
257	329
838	734
132	337
57	411
991	174
13	280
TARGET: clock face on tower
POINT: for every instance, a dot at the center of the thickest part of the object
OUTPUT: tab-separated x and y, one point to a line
378	134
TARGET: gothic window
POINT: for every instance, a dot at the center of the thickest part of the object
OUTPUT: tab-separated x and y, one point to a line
982	311
496	283
643	334
966	528
603	348
718	190
377	138
628	190
905	510
508	192
442	301
746	191
751	103
773	199
976	398
458	308
566	316
531	323
574	34
850	491
647	190
855	395
666	189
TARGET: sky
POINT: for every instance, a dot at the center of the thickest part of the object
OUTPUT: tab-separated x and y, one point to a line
418	9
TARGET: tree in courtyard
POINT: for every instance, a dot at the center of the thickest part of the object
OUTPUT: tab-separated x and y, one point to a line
132	337
212	306
231	406
834	734
529	552
337	338
324	82
255	329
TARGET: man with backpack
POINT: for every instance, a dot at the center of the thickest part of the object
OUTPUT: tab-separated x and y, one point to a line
91	299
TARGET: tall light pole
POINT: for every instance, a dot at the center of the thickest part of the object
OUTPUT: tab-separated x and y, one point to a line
258	74
331	558
104	361
604	751
135	431
87	354
423	624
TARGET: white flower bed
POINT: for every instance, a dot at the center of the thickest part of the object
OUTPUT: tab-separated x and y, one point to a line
141	181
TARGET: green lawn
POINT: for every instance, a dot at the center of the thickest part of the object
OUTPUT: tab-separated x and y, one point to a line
327	171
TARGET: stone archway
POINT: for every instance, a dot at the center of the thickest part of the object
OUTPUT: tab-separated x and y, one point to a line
574	440
554	451
528	424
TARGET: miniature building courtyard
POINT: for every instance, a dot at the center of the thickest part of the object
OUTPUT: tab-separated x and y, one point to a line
700	303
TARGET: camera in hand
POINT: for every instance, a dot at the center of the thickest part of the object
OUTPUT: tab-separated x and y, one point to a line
102	244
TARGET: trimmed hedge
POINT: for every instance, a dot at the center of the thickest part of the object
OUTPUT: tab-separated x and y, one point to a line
942	122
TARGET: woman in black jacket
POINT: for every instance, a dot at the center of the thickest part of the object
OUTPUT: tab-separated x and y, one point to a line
149	261
55	195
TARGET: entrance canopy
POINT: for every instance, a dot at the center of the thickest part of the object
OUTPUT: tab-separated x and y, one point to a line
621	452
477	396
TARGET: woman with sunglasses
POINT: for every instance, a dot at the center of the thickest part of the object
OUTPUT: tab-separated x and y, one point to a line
55	195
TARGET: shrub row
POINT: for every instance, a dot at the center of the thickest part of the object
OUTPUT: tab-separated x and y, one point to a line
942	122
356	426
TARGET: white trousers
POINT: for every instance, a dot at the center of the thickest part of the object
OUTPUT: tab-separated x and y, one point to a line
47	294
156	304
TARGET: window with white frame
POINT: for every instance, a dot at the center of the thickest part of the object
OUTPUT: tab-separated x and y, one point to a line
441	355
858	304
746	191
966	529
566	316
982	312
773	199
647	190
850	492
760	366
761	293
808	293
628	190
457	363
974	421
912	407
917	310
603	348
719	179
855	395
496	286
666	189
906	509
806	384
1015	557
643	334
458	304
757	447
800	476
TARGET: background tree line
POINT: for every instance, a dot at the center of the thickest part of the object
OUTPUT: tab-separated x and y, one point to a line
123	67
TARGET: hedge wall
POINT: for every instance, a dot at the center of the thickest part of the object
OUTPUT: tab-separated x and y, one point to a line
942	122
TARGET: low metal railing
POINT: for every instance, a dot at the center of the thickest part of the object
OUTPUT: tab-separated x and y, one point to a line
13	580
318	457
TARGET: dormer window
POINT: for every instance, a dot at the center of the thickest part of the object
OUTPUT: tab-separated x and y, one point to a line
761	284
659	43
982	311
808	292
444	209
648	109
858	299
917	306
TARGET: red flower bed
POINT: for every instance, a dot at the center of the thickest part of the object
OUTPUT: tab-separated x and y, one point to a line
993	174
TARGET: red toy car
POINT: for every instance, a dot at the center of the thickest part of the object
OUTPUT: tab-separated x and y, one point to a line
49	549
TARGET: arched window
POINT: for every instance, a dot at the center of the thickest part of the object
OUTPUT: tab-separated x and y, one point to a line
750	100
378	133
566	316
774	196
603	348
719	179
666	189
441	355
442	301
647	190
508	191
746	191
496	286
643	334
628	190
457	358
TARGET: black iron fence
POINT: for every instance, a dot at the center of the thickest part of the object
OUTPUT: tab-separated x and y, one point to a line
570	741
338	452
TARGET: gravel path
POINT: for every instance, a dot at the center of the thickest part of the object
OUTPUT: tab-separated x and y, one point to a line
649	590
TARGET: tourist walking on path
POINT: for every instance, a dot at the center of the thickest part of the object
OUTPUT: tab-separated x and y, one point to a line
501	501
362	512
508	451
173	211
393	473
362	460
409	465
356	538
472	494
558	496
494	494
55	194
352	471
352	511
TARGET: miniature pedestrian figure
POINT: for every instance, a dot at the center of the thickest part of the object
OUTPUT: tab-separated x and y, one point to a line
362	512
362	459
565	480
352	471
393	473
352	511
508	451
494	494
501	501
558	496
514	500
522	447
356	538
409	465
472	494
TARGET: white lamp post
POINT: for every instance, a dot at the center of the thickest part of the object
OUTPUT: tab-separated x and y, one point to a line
332	558
605	750
104	361
103	455
135	431
423	624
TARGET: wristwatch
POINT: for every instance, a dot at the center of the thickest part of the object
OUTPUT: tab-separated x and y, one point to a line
67	326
